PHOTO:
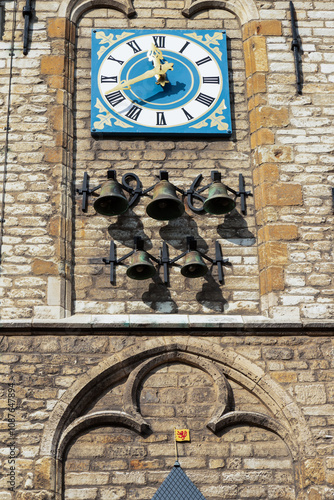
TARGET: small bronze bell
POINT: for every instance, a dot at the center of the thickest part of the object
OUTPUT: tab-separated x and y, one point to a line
165	205
218	201
194	266
111	200
141	267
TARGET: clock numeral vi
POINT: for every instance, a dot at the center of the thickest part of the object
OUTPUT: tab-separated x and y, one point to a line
207	100
134	46
111	58
161	120
159	41
108	79
210	79
188	115
134	112
203	61
115	98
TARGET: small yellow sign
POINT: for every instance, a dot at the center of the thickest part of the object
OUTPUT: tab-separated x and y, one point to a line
182	435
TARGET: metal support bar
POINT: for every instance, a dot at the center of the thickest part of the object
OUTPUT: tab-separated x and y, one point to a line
164	259
295	46
194	192
27	13
85	191
113	261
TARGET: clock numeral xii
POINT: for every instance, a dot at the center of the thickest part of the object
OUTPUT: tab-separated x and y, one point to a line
159	41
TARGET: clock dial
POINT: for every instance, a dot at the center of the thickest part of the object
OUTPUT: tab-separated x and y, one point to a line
160	82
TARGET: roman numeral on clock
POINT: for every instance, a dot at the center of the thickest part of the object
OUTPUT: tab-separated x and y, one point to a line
184	47
161	120
108	79
211	79
188	115
111	58
207	100
134	46
203	61
159	41
115	98
134	112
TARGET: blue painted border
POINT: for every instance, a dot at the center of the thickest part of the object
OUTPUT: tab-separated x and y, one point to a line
137	129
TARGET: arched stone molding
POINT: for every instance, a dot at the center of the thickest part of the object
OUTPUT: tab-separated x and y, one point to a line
257	420
121	418
73	9
235	366
224	391
245	10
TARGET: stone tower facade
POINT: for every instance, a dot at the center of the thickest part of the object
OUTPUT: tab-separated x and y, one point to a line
96	376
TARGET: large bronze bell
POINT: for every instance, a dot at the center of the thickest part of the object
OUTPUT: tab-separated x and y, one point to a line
165	205
218	201
141	267
111	200
194	266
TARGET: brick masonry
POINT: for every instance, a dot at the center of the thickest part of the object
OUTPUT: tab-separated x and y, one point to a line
238	462
280	139
281	274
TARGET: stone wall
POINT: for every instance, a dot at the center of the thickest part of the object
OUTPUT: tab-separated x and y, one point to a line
271	417
282	252
95	377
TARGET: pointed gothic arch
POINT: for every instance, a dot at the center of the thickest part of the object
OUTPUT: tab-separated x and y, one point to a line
67	420
245	10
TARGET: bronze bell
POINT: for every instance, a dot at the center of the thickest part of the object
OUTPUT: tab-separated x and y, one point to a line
165	205
218	201
194	266
141	267
111	200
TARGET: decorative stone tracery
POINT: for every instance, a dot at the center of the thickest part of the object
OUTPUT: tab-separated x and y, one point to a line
66	422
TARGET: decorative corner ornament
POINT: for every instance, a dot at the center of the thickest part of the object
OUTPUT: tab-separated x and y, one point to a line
149	82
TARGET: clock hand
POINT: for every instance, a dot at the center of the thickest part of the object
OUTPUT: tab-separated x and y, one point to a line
156	57
160	72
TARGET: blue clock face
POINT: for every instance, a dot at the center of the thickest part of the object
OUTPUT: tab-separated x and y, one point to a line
166	82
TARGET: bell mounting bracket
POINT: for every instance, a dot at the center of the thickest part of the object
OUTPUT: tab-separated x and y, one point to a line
113	261
135	192
194	192
192	245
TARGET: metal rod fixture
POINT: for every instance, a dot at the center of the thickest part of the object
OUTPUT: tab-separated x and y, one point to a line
27	13
113	261
141	267
165	205
295	46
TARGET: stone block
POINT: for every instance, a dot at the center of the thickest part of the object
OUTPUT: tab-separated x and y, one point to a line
53	65
255	52
270	27
40	266
278	232
262	136
256	84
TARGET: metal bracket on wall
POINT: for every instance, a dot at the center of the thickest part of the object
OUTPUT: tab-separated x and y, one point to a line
295	46
27	14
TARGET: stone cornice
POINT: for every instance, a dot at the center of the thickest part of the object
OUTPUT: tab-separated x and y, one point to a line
150	324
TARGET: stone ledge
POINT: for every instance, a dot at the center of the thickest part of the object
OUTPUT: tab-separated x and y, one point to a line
92	324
